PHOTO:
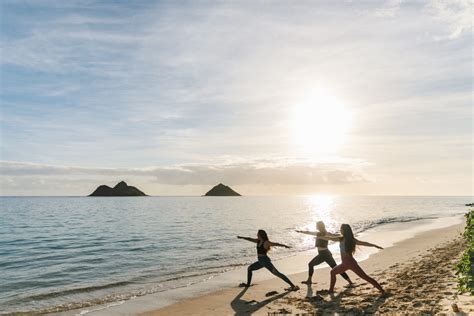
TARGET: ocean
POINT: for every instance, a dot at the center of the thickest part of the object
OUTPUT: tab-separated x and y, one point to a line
64	253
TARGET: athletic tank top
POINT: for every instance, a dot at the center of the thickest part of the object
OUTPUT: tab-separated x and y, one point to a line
261	249
321	243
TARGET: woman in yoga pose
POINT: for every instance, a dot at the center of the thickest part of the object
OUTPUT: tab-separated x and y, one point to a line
324	254
347	245
263	245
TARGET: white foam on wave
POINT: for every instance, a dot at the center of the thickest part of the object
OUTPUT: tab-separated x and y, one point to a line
100	308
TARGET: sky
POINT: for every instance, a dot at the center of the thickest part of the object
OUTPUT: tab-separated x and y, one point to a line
269	97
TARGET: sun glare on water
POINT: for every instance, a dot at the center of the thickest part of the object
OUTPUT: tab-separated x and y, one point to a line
321	201
320	124
321	207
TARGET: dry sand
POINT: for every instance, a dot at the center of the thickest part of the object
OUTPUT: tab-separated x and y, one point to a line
418	274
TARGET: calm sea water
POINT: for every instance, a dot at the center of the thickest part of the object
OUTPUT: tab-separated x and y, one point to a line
60	253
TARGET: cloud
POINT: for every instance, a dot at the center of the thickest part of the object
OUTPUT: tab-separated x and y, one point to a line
389	9
457	14
138	84
264	171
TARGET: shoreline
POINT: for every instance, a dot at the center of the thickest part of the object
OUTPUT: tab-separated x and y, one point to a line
395	260
294	266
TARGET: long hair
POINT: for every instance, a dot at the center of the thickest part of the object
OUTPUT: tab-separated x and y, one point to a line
321	227
262	235
349	239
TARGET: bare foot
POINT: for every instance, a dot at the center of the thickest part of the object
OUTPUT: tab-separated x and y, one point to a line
323	292
384	293
293	288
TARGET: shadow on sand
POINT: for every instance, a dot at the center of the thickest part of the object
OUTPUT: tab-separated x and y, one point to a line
242	307
350	304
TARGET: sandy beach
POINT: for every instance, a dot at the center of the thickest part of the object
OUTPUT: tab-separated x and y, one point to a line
417	273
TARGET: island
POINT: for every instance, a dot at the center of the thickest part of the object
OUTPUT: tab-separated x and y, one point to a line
121	189
221	190
470	204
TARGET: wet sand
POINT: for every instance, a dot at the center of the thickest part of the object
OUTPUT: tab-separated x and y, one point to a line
417	273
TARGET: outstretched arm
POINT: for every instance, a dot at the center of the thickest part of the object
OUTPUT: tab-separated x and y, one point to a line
275	244
333	235
332	238
367	244
255	240
307	232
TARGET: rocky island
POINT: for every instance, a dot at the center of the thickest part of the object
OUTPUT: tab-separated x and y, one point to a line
221	190
121	189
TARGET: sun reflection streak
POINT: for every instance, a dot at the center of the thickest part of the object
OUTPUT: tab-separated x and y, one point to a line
322	206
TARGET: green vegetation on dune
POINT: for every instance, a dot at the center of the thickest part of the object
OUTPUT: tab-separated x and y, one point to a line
465	267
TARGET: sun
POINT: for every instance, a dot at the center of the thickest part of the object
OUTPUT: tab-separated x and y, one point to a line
320	124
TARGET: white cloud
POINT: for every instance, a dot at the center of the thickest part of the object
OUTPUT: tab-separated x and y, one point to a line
389	9
173	84
263	171
456	14
261	176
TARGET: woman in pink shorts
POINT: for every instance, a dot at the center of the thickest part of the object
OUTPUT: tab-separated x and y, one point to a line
347	245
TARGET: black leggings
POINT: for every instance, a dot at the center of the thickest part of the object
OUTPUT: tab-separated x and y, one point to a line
265	262
324	256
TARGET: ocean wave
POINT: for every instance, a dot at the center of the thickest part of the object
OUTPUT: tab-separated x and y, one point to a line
160	286
69	292
180	275
87	257
366	225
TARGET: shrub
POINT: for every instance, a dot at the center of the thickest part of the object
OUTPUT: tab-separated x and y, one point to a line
465	267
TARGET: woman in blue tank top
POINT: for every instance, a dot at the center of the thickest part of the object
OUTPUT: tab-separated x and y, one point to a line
263	246
324	254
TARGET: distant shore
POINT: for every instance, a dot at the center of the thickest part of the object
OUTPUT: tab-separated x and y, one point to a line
417	272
